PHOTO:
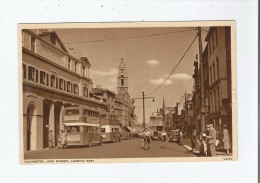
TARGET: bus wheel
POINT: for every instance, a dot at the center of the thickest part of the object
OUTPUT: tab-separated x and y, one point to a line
90	143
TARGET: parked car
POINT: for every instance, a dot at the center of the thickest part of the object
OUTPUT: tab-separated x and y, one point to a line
156	135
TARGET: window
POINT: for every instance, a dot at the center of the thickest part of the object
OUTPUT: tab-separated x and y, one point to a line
69	86
217	93
53	39
122	70
24	71
83	71
76	90
214	74
122	82
69	63
115	129
44	77
61	84
54	81
85	91
217	67
215	101
216	36
33	44
210	72
75	67
32	74
103	130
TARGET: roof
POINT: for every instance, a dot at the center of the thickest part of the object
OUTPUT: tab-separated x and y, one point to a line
85	59
58	38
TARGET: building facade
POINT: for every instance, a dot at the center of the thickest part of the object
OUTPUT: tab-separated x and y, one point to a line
219	64
52	80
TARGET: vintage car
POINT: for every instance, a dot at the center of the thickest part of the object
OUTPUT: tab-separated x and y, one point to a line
175	135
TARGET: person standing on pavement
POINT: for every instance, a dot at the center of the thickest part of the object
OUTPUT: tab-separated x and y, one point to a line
63	139
50	136
147	138
193	140
225	140
163	137
211	140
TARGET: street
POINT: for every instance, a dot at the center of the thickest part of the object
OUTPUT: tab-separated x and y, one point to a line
125	149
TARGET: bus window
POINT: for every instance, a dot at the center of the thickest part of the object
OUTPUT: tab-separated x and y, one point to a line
115	130
74	129
103	130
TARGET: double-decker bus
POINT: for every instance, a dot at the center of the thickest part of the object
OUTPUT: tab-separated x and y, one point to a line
110	130
82	125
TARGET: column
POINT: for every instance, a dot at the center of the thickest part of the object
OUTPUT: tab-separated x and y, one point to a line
52	118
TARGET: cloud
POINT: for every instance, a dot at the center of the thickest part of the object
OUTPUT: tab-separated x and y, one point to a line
174	77
181	76
152	62
159	81
110	72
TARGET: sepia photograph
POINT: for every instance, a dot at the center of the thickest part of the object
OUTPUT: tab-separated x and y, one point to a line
127	92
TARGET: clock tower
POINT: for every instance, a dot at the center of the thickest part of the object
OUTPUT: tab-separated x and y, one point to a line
122	78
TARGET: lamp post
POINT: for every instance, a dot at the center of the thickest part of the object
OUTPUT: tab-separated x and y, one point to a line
143	98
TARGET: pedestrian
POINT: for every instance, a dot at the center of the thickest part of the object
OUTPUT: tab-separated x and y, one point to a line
211	140
147	139
142	140
226	141
163	137
59	139
193	140
203	146
63	139
50	136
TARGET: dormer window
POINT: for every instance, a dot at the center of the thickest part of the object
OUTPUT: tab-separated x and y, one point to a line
33	44
53	39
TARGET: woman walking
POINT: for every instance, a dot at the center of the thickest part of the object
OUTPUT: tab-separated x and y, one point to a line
226	141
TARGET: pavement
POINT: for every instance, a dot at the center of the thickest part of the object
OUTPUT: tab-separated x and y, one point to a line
186	144
124	149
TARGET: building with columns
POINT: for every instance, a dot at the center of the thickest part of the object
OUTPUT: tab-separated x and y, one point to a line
52	79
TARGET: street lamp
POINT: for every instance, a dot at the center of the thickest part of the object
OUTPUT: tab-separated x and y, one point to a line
143	98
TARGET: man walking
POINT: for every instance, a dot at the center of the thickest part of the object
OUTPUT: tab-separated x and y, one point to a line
164	137
147	139
50	136
211	140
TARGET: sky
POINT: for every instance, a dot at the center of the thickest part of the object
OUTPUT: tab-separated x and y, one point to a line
148	59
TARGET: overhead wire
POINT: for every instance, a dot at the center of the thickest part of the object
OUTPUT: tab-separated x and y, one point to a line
172	71
129	37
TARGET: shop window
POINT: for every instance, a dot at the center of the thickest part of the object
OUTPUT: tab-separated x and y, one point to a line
32	74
